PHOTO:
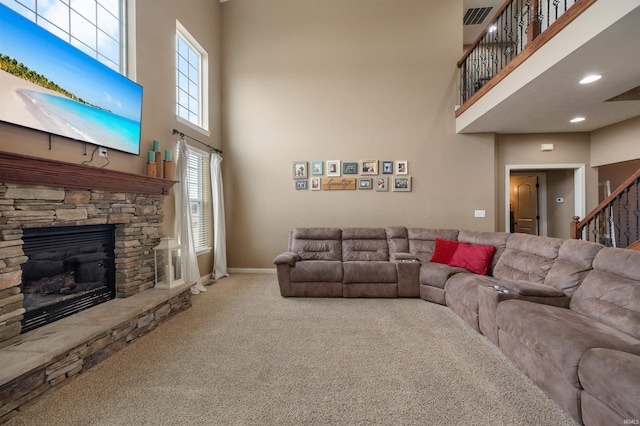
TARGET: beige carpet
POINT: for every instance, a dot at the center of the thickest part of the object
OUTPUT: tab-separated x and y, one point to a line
243	355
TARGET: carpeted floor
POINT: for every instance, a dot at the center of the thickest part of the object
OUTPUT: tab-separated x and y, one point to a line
243	355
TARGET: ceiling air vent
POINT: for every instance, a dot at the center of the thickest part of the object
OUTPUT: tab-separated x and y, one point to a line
475	15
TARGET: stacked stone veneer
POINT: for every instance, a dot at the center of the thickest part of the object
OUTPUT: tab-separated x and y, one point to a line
137	217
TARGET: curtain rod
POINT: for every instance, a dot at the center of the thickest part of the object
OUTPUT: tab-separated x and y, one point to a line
182	135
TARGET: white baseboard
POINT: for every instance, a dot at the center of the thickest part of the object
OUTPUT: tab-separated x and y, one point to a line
252	270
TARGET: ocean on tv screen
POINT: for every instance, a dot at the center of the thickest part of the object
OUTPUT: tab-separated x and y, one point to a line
49	85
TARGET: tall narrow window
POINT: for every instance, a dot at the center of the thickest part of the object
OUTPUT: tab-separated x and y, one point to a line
93	26
199	180
191	69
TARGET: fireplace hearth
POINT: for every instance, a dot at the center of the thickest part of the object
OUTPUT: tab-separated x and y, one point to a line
69	269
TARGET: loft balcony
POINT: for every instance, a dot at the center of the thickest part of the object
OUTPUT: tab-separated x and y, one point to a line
523	76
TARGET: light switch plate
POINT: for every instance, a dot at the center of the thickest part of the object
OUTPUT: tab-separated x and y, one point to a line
480	213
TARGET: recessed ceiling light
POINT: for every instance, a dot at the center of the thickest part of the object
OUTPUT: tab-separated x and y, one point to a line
577	119
590	78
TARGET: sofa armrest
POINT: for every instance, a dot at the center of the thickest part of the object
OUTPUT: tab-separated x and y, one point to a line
528	288
490	296
288	258
403	257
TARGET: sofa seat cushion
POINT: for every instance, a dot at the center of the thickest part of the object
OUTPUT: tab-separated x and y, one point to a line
437	274
559	336
613	377
316	271
370	272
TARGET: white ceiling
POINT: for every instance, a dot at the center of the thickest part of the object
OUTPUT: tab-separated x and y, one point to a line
548	94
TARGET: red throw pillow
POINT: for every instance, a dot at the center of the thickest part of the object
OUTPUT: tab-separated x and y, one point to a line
444	250
475	259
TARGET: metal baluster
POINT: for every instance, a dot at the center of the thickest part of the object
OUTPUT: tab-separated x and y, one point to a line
619	221
626	207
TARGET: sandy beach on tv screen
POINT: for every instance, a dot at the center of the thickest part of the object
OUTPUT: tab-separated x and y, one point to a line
19	109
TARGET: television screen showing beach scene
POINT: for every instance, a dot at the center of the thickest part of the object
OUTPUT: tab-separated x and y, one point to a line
49	85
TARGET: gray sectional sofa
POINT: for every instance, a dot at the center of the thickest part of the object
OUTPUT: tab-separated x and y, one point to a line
566	312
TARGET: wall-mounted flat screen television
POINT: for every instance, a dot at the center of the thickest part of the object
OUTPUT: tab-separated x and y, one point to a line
49	85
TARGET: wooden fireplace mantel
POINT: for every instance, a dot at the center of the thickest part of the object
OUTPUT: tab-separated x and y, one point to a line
23	169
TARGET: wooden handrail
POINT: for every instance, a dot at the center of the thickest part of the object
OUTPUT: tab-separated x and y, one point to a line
576	224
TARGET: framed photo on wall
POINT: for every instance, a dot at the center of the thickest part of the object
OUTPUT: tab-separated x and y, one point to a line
301	184
369	167
316	167
402	183
382	184
402	167
315	184
299	169
387	167
365	183
333	168
350	168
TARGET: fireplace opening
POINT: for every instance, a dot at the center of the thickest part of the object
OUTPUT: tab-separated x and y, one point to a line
69	269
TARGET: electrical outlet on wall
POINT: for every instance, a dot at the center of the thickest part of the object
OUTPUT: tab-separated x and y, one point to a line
102	151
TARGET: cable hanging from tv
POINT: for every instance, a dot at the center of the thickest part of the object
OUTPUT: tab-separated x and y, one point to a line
182	135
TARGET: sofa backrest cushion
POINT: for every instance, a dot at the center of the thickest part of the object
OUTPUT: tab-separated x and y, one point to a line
574	261
527	257
422	241
364	244
486	238
316	243
397	240
610	293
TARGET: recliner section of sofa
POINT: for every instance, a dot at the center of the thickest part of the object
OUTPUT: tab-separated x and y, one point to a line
548	343
574	259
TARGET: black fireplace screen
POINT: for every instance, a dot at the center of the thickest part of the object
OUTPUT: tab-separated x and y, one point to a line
69	269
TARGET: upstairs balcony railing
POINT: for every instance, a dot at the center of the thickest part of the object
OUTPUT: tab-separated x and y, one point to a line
518	29
616	221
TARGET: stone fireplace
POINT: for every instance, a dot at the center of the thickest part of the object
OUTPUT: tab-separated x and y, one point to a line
42	194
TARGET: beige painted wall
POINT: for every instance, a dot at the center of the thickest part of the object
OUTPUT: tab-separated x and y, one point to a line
345	80
616	143
569	148
560	185
155	70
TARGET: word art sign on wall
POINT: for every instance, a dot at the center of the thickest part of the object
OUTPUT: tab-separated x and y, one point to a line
338	184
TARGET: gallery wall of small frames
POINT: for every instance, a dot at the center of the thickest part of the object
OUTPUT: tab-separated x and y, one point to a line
337	175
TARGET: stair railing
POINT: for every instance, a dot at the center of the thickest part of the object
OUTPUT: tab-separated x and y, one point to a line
519	26
615	222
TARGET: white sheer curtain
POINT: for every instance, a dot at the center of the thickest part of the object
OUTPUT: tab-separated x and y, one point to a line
219	230
184	232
